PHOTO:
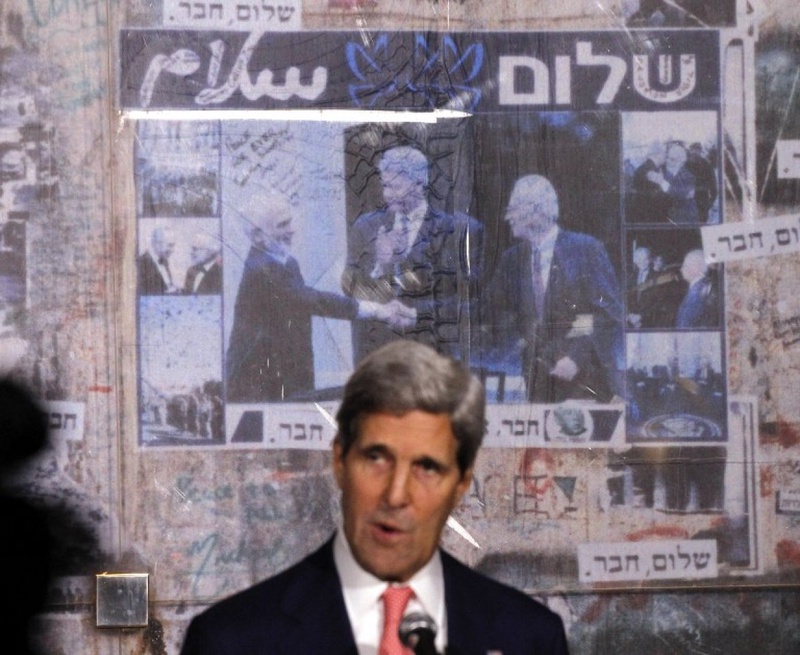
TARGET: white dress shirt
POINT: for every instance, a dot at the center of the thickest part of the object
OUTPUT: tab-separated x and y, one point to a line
362	597
201	273
416	217
162	264
546	248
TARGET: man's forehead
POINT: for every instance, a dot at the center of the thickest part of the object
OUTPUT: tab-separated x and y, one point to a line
403	430
270	221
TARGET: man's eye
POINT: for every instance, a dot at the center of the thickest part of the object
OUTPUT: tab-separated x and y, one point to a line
375	455
429	466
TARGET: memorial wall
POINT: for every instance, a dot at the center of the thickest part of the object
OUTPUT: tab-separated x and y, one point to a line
650	496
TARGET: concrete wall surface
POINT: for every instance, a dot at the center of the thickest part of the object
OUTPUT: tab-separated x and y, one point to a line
668	522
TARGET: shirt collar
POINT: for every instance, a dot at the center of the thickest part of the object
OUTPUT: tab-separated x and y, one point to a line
156	258
362	589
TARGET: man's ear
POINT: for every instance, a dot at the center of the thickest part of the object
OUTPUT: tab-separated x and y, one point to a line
338	460
463	484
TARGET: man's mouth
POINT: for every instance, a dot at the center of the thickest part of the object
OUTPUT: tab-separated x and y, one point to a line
388	530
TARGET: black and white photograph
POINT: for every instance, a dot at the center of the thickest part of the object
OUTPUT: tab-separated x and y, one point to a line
669	284
676	387
177	166
671	168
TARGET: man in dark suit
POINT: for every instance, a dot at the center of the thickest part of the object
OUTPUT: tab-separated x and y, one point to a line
154	276
204	276
426	258
705	181
700	307
680	186
409	427
270	354
556	296
639	279
647	202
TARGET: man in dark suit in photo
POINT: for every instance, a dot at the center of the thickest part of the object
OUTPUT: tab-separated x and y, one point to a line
700	307
270	353
409	428
408	250
680	186
204	276
154	276
639	279
556	296
647	202
705	181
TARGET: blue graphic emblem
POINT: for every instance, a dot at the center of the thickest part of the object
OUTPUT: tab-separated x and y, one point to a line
427	77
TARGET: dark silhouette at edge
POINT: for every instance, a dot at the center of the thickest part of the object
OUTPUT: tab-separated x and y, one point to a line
26	546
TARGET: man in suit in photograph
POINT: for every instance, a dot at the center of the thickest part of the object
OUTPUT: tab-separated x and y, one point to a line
270	352
204	276
647	202
556	299
409	428
680	186
408	250
700	307
154	276
705	181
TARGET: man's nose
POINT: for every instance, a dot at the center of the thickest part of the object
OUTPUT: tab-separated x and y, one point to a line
398	487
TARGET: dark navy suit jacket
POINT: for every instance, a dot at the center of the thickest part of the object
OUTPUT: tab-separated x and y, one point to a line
270	355
582	318
700	306
149	280
302	612
682	189
211	283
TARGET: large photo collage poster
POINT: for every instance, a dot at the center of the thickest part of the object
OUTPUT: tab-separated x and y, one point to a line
531	203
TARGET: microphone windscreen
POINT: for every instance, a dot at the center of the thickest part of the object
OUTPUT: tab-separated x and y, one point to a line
416	623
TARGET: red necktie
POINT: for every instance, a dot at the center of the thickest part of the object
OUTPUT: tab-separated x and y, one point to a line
395	600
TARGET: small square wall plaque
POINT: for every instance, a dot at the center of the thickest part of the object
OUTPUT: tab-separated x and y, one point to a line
122	600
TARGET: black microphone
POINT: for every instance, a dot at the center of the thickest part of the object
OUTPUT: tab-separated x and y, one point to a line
418	631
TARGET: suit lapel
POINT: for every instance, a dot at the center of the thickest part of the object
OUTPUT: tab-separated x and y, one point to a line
315	609
465	623
527	308
555	281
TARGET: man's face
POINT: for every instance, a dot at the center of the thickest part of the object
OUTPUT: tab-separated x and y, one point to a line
641	258
692	268
202	253
400	192
164	244
400	480
676	157
276	232
658	156
525	221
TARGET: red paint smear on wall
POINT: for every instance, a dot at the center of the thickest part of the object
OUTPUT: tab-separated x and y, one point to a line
780	432
788	553
596	610
659	532
767	481
100	389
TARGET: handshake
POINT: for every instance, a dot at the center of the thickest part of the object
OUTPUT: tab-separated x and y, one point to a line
394	313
